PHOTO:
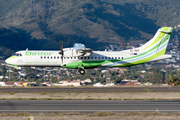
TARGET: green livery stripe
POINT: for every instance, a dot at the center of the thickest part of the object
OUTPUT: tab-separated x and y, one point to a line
149	58
12	57
142	61
156	40
165	28
171	29
15	66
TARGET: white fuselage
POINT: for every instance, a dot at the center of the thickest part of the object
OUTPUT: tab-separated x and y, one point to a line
54	59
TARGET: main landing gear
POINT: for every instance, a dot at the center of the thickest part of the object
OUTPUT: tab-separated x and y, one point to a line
80	68
81	71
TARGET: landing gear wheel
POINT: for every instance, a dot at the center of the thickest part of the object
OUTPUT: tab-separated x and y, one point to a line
15	70
81	71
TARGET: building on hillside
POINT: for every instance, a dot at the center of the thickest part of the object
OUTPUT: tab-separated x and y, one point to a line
147	84
86	82
143	71
2	84
18	83
48	84
168	66
130	82
9	83
123	82
98	85
103	71
1	77
68	83
109	85
22	73
133	83
122	70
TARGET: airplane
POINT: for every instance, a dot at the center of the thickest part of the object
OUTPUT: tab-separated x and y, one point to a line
79	57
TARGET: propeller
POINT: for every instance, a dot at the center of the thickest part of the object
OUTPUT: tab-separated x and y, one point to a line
61	52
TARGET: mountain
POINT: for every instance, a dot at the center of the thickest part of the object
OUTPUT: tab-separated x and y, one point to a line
41	24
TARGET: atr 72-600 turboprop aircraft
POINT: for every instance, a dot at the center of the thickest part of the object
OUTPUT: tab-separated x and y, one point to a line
82	58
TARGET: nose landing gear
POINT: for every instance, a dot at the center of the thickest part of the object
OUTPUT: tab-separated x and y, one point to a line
15	70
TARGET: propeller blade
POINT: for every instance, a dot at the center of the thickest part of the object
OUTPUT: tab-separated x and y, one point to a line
62	59
61	50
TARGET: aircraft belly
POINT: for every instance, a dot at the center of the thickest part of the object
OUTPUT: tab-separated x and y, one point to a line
85	64
91	65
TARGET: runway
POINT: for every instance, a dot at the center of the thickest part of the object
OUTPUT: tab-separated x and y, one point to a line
88	106
89	90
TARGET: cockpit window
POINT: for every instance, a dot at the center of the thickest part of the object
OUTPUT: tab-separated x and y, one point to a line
17	54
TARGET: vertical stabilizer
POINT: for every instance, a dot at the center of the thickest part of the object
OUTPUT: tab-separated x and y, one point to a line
159	42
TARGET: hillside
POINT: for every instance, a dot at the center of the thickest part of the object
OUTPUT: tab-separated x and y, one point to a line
40	24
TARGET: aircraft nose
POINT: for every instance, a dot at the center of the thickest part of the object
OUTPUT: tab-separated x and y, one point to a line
7	61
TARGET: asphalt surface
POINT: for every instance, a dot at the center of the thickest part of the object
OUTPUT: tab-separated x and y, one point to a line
91	90
89	106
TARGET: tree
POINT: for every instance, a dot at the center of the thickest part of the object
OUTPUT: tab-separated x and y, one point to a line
3	70
103	81
157	77
173	79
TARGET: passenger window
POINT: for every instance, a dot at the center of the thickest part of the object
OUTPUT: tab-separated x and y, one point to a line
57	57
102	57
41	57
84	57
74	57
109	57
99	57
115	57
95	57
54	57
48	57
119	58
20	54
67	57
44	57
91	57
71	57
88	57
81	57
122	57
105	57
51	57
64	57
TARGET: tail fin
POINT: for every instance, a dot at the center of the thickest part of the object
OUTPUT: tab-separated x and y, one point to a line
159	42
